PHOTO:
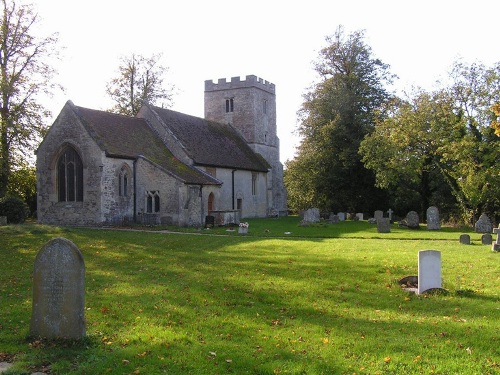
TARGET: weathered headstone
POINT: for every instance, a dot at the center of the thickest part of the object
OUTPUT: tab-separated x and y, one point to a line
58	291
334	219
360	215
429	270
378	214
311	215
486	239
341	216
496	245
3	220
465	239
412	220
433	221
383	225
390	212
483	224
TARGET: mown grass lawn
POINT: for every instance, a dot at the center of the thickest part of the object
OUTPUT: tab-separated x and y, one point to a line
322	299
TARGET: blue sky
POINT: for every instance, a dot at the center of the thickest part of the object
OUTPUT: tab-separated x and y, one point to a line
275	40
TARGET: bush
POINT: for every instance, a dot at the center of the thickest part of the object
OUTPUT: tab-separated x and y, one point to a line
15	209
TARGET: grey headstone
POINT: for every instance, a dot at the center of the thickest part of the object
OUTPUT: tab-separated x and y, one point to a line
465	239
341	216
412	220
360	216
3	220
334	219
390	212
496	245
383	225
433	221
483	224
486	239
311	215
429	270
58	291
378	214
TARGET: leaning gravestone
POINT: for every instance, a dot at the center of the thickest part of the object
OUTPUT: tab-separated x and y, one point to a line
58	291
429	270
464	239
384	225
483	224
412	220
433	222
311	215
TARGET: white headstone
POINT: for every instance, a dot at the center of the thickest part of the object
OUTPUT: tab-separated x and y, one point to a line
359	215
429	270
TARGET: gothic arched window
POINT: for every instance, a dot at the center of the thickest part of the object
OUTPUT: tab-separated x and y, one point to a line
70	176
123	182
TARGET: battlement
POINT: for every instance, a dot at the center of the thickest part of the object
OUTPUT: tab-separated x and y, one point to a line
237	82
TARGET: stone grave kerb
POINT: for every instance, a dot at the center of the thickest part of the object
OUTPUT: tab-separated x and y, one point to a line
58	291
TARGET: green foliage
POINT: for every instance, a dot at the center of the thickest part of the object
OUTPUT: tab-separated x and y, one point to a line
336	115
15	209
140	80
22	183
181	304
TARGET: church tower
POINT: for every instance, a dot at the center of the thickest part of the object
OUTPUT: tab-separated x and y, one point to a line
250	106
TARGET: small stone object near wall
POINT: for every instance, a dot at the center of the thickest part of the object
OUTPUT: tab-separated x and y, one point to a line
384	225
433	221
412	220
464	239
311	215
58	291
429	270
483	224
3	220
486	239
496	245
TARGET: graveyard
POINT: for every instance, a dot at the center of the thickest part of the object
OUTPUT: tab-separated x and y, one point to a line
284	298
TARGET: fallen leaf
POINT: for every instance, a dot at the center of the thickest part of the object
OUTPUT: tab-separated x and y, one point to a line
387	359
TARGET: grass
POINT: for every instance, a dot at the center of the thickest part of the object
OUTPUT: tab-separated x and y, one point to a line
321	300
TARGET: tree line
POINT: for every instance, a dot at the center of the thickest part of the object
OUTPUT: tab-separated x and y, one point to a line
364	148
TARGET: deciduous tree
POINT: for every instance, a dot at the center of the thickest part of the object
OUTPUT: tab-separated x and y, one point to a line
140	80
24	75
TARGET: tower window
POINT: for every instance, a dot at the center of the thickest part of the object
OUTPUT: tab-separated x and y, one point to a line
229	105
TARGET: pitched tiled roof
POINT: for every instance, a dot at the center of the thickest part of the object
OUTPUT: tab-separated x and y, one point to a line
211	143
129	137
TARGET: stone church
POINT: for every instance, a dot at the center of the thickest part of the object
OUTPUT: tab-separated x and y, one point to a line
162	166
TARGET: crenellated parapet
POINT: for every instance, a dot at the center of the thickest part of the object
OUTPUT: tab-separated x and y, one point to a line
237	82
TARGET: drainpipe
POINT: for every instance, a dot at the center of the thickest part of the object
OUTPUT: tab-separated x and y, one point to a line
232	186
135	190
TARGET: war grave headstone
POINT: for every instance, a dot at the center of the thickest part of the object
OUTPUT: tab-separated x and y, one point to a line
412	220
58	291
483	224
311	215
486	239
429	270
496	245
465	239
383	225
433	221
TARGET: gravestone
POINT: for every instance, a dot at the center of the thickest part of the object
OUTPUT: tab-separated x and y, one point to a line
58	291
412	220
378	214
486	239
429	270
311	215
334	219
384	225
496	245
341	216
3	220
433	221
465	239
360	215
483	224
390	212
